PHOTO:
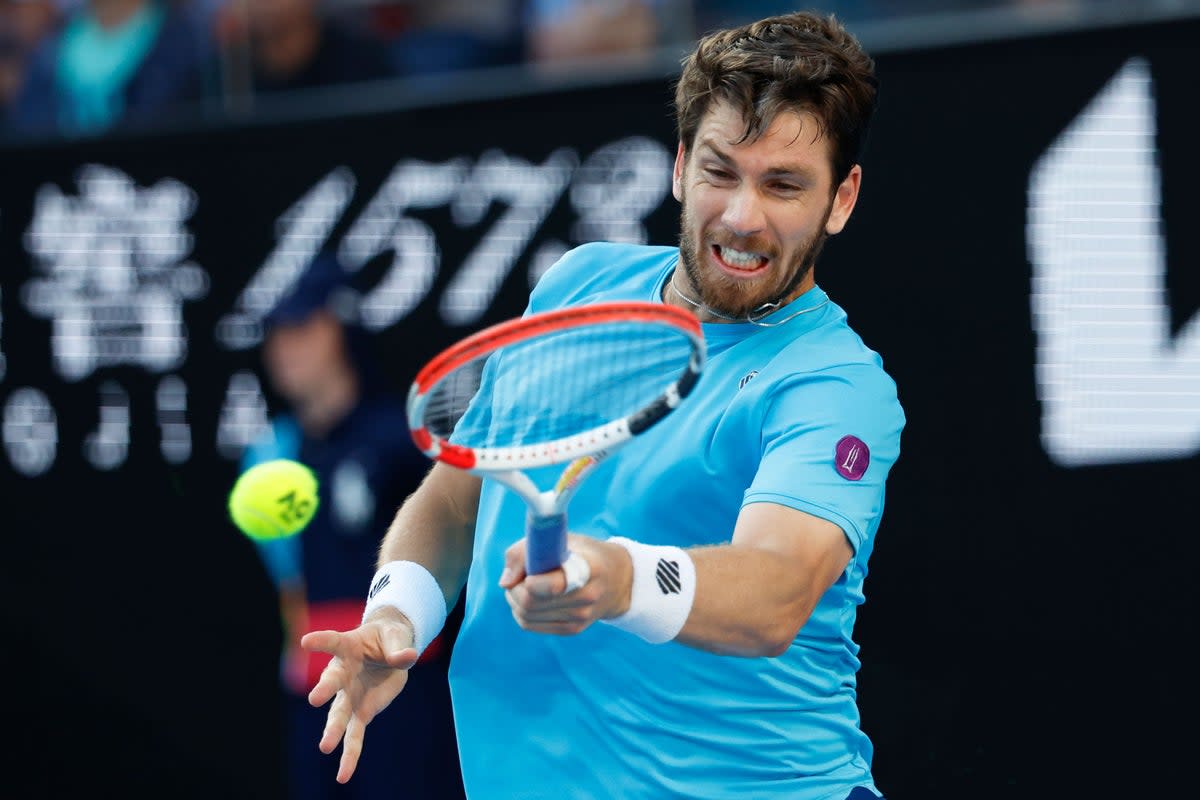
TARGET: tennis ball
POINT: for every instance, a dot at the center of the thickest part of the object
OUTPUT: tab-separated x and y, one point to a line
273	499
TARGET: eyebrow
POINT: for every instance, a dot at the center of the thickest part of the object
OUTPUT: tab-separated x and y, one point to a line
796	171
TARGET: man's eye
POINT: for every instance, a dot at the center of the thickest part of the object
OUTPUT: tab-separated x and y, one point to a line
717	173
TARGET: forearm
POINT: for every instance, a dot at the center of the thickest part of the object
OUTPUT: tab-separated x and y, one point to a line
435	527
750	597
748	602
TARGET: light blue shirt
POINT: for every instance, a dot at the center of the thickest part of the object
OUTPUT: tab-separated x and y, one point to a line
95	64
801	414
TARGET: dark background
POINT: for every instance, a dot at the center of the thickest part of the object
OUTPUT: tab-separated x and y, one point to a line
1027	625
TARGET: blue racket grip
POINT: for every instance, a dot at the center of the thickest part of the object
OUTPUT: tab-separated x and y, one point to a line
545	542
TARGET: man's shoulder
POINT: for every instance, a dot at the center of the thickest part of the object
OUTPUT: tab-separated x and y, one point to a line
841	354
602	269
616	254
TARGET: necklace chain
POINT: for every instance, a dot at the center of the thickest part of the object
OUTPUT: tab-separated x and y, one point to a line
755	317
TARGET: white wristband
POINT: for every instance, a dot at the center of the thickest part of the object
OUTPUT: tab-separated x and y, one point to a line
409	587
664	587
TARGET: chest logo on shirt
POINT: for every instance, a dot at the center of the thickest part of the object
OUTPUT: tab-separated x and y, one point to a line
851	457
749	376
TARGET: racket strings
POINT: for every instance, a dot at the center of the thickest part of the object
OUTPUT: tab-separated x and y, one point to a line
556	385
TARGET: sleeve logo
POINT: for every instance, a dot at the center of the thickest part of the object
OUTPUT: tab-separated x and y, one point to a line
851	457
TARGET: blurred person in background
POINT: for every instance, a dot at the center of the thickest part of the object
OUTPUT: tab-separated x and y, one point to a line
713	14
298	44
24	24
112	62
12	69
563	31
441	36
342	420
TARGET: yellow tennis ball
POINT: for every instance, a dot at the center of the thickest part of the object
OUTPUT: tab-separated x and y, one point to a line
274	499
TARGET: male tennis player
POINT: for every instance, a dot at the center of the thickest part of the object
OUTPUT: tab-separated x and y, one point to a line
728	546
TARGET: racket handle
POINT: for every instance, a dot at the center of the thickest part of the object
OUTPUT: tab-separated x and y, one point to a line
545	542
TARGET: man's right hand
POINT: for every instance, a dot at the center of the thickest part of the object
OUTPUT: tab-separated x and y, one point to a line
368	670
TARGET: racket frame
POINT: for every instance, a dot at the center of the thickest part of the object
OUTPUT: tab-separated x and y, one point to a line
546	526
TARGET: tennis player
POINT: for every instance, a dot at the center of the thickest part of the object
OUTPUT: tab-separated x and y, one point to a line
710	654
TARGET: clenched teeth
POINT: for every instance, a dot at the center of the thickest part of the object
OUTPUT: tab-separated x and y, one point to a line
738	258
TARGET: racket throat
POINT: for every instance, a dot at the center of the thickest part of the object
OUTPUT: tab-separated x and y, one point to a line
545	523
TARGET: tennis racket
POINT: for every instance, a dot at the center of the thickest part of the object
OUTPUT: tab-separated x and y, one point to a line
519	399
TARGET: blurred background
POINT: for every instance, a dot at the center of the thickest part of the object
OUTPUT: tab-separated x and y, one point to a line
1023	257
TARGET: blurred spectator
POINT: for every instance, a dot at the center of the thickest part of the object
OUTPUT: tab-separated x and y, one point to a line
81	66
341	419
12	68
713	14
23	26
440	36
111	62
562	31
294	44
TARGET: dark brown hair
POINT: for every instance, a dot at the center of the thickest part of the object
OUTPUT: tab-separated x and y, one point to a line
793	62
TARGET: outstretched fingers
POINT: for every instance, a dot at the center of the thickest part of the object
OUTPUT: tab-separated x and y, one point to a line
335	724
336	675
347	724
351	748
368	669
321	641
334	678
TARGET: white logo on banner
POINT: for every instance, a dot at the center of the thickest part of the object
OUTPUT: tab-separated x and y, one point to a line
301	231
30	431
111	271
244	414
611	193
114	276
1115	386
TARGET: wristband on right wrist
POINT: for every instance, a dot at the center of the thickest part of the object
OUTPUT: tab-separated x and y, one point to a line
663	590
412	589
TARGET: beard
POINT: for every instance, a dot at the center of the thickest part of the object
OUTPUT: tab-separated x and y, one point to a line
733	298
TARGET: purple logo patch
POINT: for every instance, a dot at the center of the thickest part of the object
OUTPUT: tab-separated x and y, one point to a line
851	457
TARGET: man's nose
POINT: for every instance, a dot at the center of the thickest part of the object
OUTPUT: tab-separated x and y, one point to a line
744	212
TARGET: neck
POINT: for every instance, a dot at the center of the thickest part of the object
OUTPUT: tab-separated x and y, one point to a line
702	312
755	316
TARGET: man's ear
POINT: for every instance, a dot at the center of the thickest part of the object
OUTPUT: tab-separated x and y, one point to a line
677	177
844	200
